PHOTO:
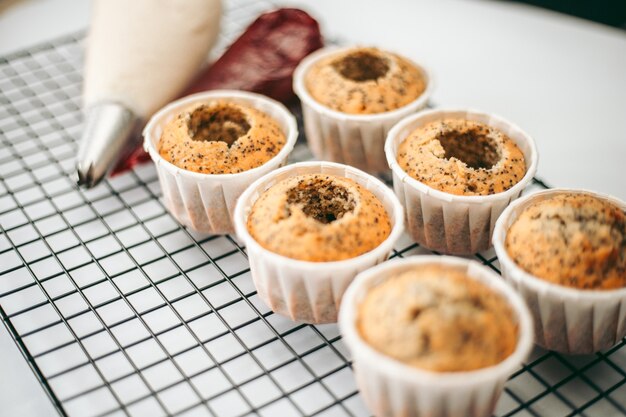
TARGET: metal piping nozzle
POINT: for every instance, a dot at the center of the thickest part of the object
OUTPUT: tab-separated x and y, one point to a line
108	127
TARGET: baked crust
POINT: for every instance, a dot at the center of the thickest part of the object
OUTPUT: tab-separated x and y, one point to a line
437	318
571	239
318	218
220	137
364	81
462	157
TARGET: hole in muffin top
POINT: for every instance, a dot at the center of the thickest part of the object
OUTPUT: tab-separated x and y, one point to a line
321	199
218	123
362	66
474	148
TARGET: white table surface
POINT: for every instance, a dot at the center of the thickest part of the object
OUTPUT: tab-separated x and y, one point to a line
562	79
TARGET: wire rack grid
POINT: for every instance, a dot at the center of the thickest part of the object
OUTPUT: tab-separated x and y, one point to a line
121	311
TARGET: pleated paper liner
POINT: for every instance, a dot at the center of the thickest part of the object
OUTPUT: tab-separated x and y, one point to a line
353	139
311	291
567	320
391	388
448	223
206	202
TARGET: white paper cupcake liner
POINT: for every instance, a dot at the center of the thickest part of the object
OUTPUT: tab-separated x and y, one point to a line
206	202
311	291
353	139
567	320
391	388
448	223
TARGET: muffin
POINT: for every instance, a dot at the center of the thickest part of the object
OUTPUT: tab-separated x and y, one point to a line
575	240
565	250
433	335
309	228
219	137
437	318
455	171
318	218
208	147
364	81
462	157
352	96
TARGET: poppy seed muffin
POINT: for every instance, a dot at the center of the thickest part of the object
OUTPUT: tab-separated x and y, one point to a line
220	137
436	318
365	81
462	157
575	240
318	218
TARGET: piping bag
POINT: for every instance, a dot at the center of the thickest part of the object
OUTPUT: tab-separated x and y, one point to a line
261	60
140	55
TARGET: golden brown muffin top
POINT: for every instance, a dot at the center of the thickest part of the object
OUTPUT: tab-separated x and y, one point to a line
575	240
220	137
438	319
364	81
318	218
462	157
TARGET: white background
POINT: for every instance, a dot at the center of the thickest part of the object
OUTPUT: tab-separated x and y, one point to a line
562	79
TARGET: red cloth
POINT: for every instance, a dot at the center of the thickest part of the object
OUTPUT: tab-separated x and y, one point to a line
262	60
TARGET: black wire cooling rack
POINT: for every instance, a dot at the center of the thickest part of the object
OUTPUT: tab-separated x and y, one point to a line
121	311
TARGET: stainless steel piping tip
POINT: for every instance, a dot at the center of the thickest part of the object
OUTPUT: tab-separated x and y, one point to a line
108	127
